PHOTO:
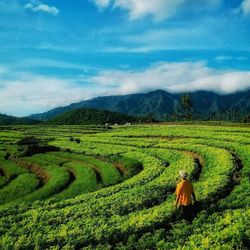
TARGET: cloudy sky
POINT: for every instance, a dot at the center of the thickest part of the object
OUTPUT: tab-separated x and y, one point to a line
55	52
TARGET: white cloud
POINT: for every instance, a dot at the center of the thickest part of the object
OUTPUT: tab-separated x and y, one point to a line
173	77
169	38
24	93
245	7
34	93
102	3
158	9
223	58
37	6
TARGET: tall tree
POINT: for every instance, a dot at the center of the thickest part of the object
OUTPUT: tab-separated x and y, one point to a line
187	106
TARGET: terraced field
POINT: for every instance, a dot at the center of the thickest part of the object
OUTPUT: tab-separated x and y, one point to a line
114	189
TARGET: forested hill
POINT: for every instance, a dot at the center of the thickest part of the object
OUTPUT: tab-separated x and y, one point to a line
164	105
12	120
86	116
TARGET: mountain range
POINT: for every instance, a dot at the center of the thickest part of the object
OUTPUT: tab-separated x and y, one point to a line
12	120
163	105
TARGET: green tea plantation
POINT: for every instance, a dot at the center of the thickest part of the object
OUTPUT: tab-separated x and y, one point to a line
85	187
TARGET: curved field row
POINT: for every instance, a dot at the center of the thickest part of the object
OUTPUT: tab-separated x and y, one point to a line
126	221
9	169
85	180
3	181
139	211
16	182
66	179
21	186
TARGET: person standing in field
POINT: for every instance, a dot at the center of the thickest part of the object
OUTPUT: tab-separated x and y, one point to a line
184	195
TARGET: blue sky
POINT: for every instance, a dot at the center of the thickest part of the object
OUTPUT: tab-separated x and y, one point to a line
55	52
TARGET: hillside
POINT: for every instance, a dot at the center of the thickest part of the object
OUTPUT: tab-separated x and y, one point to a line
163	105
87	116
12	120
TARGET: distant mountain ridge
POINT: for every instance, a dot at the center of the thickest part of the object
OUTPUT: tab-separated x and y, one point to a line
161	104
12	120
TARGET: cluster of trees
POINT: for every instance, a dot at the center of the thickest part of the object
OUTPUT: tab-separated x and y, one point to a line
185	112
30	145
12	120
232	115
88	116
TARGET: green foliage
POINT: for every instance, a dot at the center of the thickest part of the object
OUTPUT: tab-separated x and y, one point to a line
9	168
20	186
11	120
3	181
85	180
91	116
187	105
115	189
227	230
56	177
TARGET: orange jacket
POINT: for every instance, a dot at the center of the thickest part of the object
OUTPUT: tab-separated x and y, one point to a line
184	189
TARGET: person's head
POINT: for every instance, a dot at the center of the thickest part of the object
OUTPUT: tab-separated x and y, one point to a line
183	174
